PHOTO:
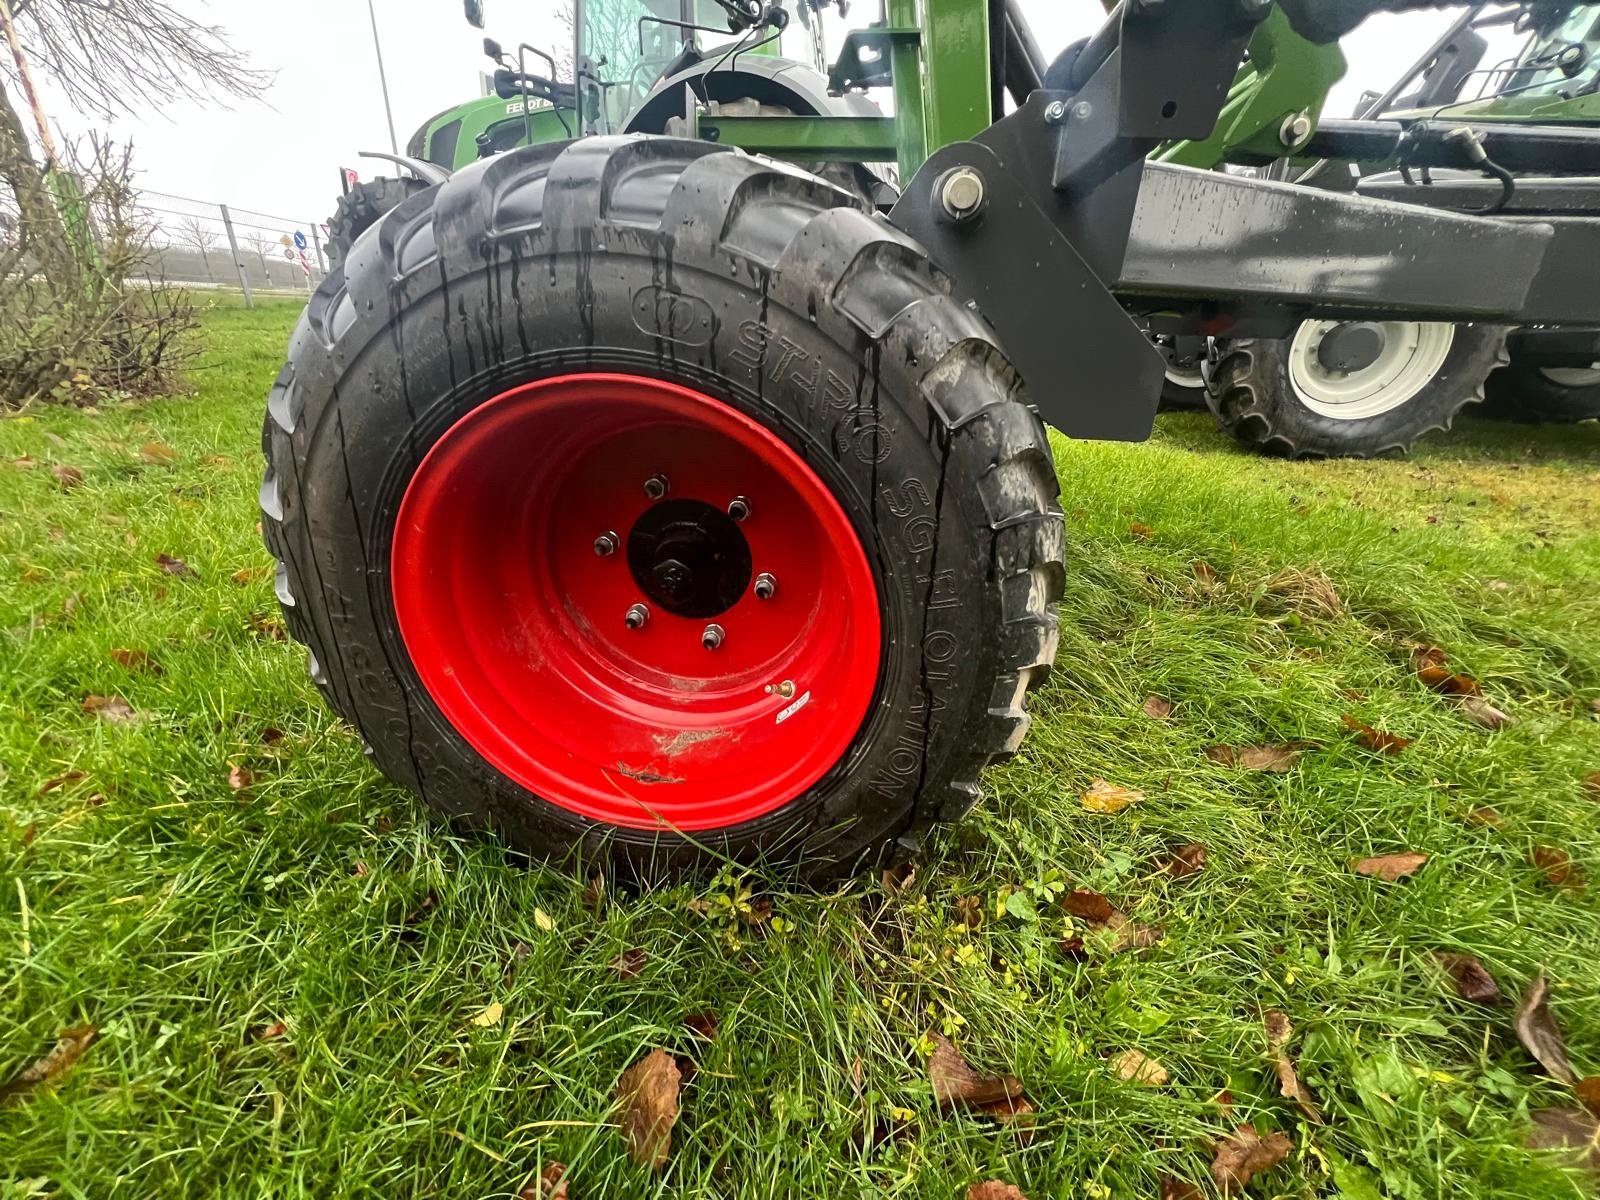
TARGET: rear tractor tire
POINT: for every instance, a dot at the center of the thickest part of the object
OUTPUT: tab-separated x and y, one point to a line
1351	389
362	207
649	503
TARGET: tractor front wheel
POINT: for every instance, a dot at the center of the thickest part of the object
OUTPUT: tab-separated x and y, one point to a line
1345	389
361	207
648	501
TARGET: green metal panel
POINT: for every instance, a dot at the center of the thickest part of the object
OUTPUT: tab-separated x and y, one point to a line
808	139
1286	75
906	63
490	112
955	46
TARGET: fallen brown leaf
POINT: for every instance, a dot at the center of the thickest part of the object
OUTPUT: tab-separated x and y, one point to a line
1484	815
993	1189
957	1085
1098	915
1390	867
1472	979
1019	1115
1591	784
271	735
1089	906
1570	1129
1279	1028
1203	571
1157	708
1279	1031
240	778
271	628
1480	712
48	1070
1558	868
1173	1188
1134	1066
969	911
647	1094
50	785
1244	1154
158	454
24	463
1537	1030
1375	739
550	1184
1587	1090
67	477
30	831
175	566
275	1030
136	660
760	912
897	880
1276	759
1143	532
248	575
1103	797
594	892
1428	662
1186	860
110	708
629	963
702	1024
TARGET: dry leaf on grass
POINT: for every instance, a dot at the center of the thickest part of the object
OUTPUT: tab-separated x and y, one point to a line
647	1094
1591	784
957	1085
594	892
240	778
50	785
1472	979
898	879
110	708
175	566
1244	1154
993	1189
1305	593
1143	532
158	454
1089	906
1391	867
1203	571
1173	1188
1587	1091
136	660
1134	1066
1484	815
1570	1129
1558	868
489	1016
1375	739
550	1184
67	477
1428	662
48	1070
1103	797
1279	1031
969	911
1017	1114
629	963
1480	712
1277	759
1186	860
1099	915
1537	1030
702	1024
1157	708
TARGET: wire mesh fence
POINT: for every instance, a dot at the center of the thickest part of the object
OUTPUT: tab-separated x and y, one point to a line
202	243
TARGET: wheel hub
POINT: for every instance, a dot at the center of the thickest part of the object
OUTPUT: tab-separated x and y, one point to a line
689	557
699	669
1354	346
1368	370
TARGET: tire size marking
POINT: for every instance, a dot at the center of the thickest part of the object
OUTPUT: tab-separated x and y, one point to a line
793	707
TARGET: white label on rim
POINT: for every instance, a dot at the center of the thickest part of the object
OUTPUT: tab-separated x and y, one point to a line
786	713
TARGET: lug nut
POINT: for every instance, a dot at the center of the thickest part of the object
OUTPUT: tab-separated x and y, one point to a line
656	486
766	586
712	637
739	508
636	617
605	544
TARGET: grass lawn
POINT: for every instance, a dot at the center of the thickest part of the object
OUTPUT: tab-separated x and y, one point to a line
307	986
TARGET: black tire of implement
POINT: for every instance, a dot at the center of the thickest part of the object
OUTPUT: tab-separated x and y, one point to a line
827	324
1175	397
1523	393
1249	391
359	209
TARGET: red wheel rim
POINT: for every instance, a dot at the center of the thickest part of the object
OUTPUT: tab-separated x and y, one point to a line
516	621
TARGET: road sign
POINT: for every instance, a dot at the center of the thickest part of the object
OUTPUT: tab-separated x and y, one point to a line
288	252
299	240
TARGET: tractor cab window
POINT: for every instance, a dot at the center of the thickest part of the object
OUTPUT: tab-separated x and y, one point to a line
1565	61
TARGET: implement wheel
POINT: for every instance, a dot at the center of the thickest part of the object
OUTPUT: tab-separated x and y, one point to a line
1544	395
643	499
1351	389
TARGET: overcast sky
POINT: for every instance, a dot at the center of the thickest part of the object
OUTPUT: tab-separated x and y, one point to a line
280	154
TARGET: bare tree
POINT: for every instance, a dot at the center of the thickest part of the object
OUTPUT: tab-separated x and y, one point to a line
201	236
261	244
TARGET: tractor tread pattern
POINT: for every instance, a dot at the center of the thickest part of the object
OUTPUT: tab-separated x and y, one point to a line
790	230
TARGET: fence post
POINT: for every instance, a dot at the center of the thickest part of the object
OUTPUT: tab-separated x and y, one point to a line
316	241
238	263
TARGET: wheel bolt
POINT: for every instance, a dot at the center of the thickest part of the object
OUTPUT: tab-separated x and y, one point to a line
739	508
656	486
605	544
636	617
766	586
712	637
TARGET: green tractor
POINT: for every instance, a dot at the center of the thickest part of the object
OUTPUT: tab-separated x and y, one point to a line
680	493
1341	388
